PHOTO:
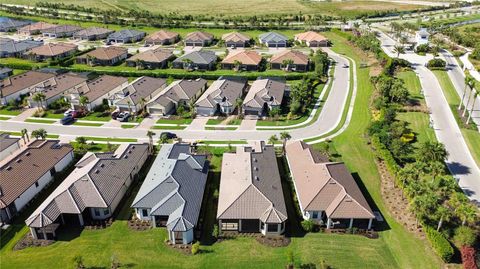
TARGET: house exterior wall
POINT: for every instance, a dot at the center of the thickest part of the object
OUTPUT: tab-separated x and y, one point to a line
294	67
252	110
149	65
245	67
276	44
231	44
180	65
16	95
8	151
205	111
103	212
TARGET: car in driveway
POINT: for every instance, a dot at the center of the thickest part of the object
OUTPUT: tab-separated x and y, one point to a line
67	120
123	116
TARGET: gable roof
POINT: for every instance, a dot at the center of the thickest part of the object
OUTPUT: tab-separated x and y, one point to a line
12	85
247	57
272	37
198	57
178	90
223	91
58	29
310	36
325	186
96	181
38	26
235	37
93	31
101	86
62	83
174	186
153	56
6	141
198	36
296	56
161	35
250	185
106	53
10	46
142	87
126	33
265	91
8	23
53	49
28	166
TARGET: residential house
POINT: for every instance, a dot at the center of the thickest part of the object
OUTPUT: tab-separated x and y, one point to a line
51	51
273	40
96	91
242	60
126	36
60	31
263	96
221	96
29	172
236	40
8	145
139	93
171	195
8	25
179	92
151	59
5	72
198	39
13	48
13	88
35	28
103	56
91	192
196	60
162	37
56	89
251	198
421	36
312	39
290	60
93	33
327	193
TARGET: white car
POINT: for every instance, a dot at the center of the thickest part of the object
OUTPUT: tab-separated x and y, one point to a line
123	116
68	112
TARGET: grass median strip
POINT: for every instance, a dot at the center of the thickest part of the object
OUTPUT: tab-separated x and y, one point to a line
213	128
174	121
90	124
4	118
128	126
173	127
38	120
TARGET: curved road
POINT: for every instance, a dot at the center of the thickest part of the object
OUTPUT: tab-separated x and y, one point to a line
329	118
460	161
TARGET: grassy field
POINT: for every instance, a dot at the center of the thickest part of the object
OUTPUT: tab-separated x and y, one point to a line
412	83
419	122
110	139
245	7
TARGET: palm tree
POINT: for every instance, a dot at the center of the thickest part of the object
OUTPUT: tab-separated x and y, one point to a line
398	49
39	134
432	151
163	138
83	101
187	63
273	139
39	97
469	80
129	104
237	65
475	95
238	104
25	134
286	64
436	168
467	212
469	97
285	136
150	135
444	214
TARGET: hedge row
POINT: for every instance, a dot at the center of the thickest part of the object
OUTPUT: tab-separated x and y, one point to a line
439	243
384	154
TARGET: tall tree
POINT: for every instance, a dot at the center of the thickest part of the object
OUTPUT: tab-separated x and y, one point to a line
475	95
39	97
468	82
273	139
39	133
150	135
285	136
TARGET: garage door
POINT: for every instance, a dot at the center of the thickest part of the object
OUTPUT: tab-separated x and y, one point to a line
155	111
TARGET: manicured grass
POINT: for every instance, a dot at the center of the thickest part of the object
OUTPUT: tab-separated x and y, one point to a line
91	124
174	121
128	126
4	118
223	142
412	83
53	115
22	63
173	127
210	128
97	147
419	122
52	136
110	139
96	116
472	138
10	112
219	121
46	121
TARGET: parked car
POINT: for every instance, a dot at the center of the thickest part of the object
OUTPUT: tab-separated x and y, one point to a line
169	135
68	112
123	116
67	120
115	114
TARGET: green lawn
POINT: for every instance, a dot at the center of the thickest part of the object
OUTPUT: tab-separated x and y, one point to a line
4	118
96	116
46	121
51	115
110	139
22	63
412	82
173	127
472	137
208	142
419	122
90	124
52	136
219	121
174	121
128	126
10	112
97	147
213	128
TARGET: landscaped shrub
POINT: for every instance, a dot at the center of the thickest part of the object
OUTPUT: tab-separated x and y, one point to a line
384	154
308	225
422	49
436	64
468	257
465	236
440	244
216	231
196	248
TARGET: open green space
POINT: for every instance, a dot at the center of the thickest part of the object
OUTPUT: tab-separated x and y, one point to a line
51	115
19	63
172	127
224	142
419	122
90	124
10	112
46	121
96	116
412	83
174	121
110	139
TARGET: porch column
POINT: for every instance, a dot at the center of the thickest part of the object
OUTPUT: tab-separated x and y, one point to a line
329	223
279	228
80	219
33	232
44	234
351	223
239	225
63	220
370	224
154	223
173	237
170	235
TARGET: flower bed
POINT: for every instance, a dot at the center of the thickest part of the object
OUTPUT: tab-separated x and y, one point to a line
468	257
29	241
139	225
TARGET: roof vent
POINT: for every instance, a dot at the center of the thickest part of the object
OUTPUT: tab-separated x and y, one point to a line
126	157
97	171
9	168
102	165
18	161
255	159
257	178
255	168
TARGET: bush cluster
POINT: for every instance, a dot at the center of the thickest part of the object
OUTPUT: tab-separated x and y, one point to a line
440	244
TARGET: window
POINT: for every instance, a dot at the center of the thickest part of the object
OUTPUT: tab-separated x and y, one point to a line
36	184
106	212
262	225
272	228
96	212
315	215
53	171
144	212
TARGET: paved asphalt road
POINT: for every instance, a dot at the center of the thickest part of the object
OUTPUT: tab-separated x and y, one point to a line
460	162
328	120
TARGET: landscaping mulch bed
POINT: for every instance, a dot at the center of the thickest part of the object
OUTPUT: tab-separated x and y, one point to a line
97	225
274	241
369	234
139	225
29	241
184	249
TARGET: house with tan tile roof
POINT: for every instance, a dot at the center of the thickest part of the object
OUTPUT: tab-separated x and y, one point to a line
312	39
60	31
91	192
327	193
56	88
290	60
29	172
12	88
263	96
162	37
151	59
251	196
35	28
242	60
198	39
51	51
93	33
103	56
236	40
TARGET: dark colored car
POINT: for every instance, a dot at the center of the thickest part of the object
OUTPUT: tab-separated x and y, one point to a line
115	114
67	120
169	135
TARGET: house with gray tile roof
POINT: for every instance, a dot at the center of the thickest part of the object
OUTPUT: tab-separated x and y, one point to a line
263	96
251	196
93	33
8	25
221	96
180	92
273	40
139	93
60	31
13	48
8	145
126	36
91	192
172	193
196	60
